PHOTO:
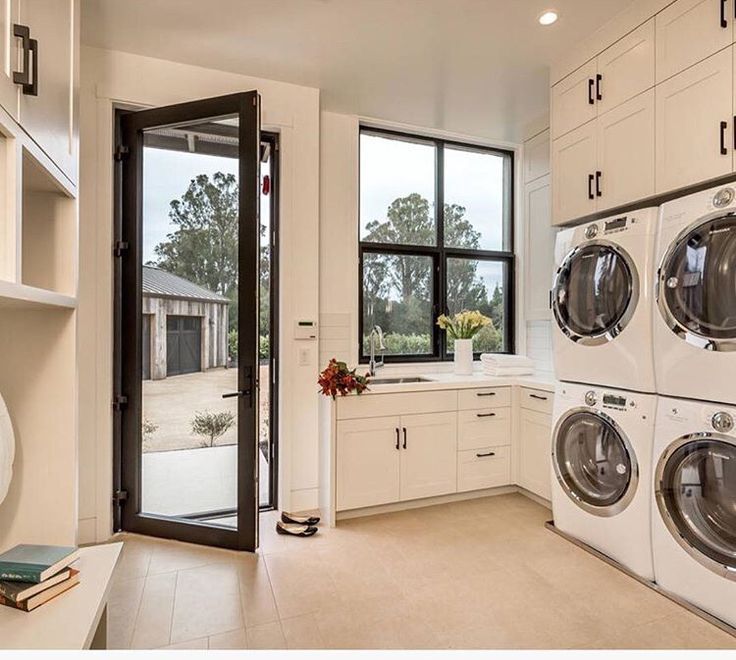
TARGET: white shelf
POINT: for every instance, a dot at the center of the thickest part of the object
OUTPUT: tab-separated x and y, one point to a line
22	296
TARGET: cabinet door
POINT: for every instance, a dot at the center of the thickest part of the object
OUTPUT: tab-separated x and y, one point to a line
626	152
367	461
626	68
535	433
9	57
573	100
50	116
689	31
573	165
540	248
693	124
536	157
429	455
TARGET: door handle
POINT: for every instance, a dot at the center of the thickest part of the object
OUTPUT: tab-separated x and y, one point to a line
598	80
404	437
28	76
397	438
490	453
485	415
724	20
590	187
724	126
598	176
591	83
230	395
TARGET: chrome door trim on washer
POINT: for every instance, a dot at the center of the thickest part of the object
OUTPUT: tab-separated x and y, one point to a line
717	567
687	335
628	495
633	296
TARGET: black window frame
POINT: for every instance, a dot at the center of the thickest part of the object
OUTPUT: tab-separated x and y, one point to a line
440	254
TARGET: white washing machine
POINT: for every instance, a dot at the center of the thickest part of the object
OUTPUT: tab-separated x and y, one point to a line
694	507
601	461
695	324
601	301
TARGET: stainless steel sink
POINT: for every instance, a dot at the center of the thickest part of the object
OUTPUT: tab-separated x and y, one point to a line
398	381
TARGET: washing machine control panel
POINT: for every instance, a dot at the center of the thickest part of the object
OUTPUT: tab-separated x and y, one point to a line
722	421
591	398
723	198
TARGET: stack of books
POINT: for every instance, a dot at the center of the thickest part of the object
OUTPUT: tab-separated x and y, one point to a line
31	575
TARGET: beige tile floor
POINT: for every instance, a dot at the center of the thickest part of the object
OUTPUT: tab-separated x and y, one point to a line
476	574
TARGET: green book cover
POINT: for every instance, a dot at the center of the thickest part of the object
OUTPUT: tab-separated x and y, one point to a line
35	563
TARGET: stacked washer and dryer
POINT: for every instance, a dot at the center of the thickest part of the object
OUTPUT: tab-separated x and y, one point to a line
644	439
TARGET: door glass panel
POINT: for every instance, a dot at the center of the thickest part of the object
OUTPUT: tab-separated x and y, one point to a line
190	294
592	459
594	290
700	280
699	491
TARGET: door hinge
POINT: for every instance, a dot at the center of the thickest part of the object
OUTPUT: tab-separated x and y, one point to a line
119	402
121	152
120	247
119	496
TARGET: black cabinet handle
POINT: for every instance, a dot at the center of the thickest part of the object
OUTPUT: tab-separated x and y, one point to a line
724	126
598	80
490	453
485	394
734	132
590	187
28	77
536	396
485	414
598	176
724	21
32	89
404	437
397	438
591	83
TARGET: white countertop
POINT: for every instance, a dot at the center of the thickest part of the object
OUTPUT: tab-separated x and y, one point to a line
448	380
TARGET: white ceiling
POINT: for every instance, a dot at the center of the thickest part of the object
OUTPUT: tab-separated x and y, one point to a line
477	67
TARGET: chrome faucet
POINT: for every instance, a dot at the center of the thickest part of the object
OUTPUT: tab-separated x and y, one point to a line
376	333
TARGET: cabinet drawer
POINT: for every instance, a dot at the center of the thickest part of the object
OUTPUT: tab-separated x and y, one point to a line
483	468
538	400
484	427
484	397
399	403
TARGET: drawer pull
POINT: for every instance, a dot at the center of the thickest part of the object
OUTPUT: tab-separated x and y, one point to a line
485	394
397	438
490	453
404	437
536	396
486	415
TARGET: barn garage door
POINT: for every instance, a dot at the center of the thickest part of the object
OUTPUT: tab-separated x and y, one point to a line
183	345
146	346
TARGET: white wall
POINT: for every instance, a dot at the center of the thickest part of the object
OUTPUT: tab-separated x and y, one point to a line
108	78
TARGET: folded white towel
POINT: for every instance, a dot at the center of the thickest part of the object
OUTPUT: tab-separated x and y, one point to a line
508	371
503	360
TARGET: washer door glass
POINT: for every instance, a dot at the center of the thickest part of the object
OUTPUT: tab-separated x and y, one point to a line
698	490
592	460
593	292
699	280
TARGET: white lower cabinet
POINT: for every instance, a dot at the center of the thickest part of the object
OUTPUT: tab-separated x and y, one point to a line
486	467
535	433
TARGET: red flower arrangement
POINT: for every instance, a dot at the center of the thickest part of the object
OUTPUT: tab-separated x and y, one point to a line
338	379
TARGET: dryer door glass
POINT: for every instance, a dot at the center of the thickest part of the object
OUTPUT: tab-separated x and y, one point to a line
698	490
593	292
698	280
592	460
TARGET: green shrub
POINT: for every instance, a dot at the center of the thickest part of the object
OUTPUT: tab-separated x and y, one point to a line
264	349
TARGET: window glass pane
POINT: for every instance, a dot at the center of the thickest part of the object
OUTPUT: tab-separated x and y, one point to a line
473	284
397	191
474	200
397	296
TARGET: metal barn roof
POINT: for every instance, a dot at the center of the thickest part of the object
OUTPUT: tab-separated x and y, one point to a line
159	283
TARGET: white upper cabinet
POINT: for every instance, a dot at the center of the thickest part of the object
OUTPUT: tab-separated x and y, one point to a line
429	455
694	123
536	157
626	68
10	57
625	143
49	114
540	247
573	174
573	100
689	31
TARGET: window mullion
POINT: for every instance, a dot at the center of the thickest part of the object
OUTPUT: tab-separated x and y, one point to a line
440	304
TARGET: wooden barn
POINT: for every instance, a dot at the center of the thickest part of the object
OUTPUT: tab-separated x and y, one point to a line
185	326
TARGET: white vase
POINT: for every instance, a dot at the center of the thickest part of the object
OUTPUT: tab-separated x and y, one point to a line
463	357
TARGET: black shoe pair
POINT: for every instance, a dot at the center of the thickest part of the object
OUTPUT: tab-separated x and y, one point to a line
293	525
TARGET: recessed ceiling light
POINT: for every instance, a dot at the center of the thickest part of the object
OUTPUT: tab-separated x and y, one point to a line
548	17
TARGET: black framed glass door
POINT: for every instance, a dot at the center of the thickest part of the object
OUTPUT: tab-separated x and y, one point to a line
188	375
